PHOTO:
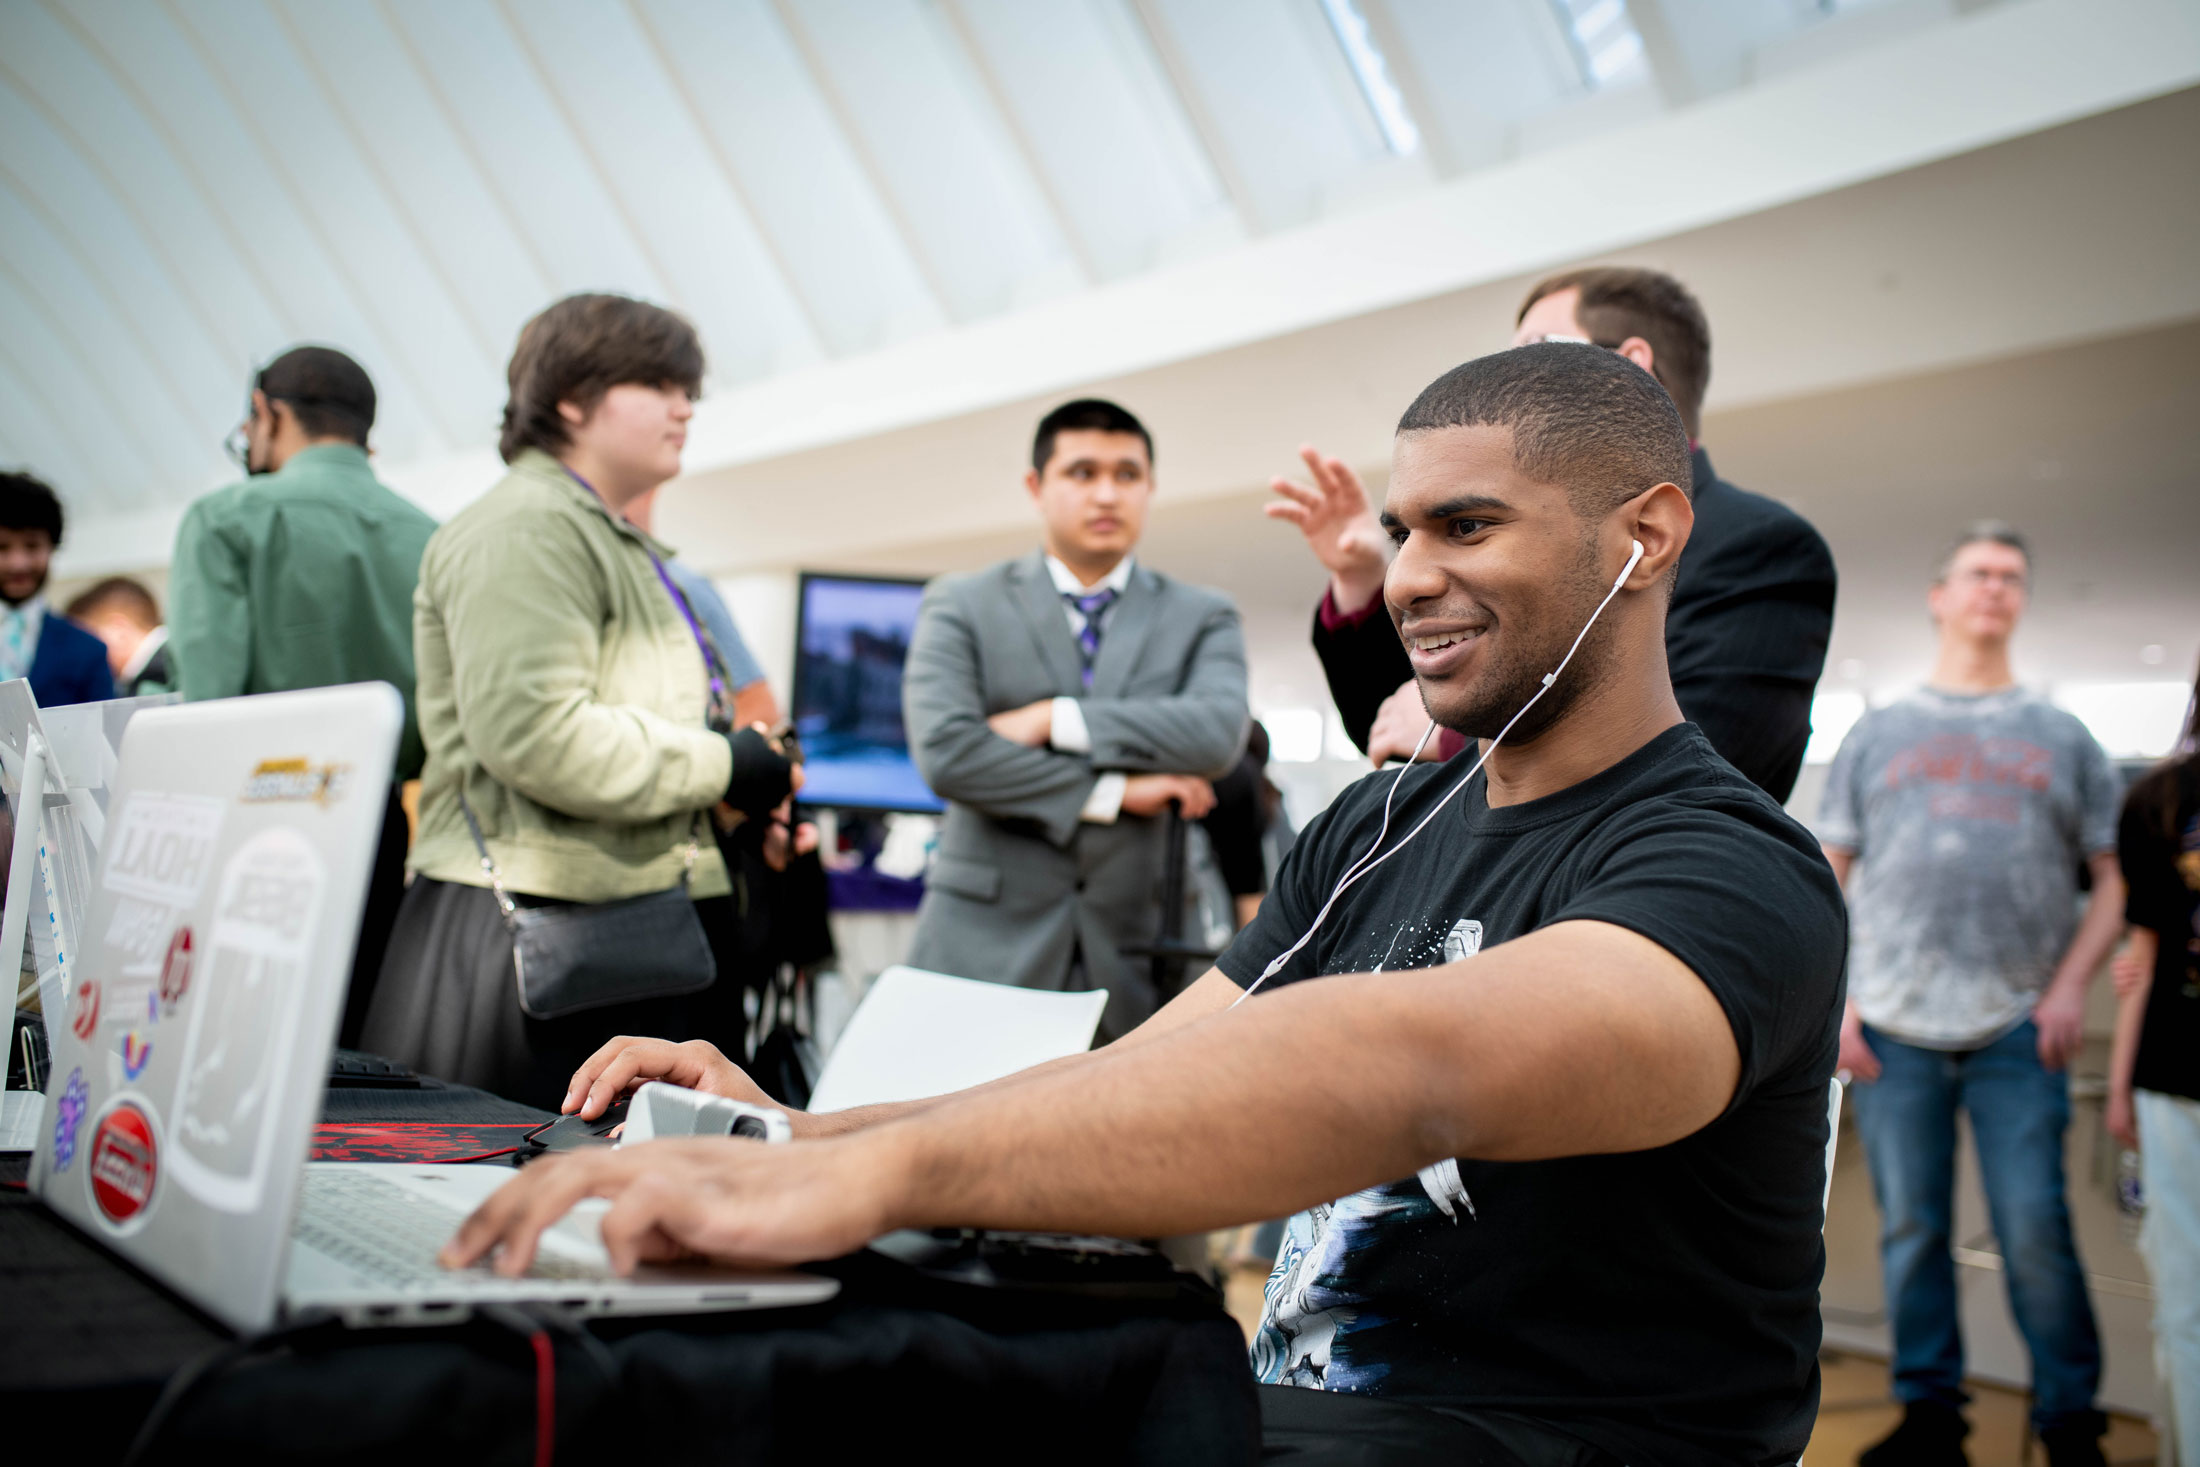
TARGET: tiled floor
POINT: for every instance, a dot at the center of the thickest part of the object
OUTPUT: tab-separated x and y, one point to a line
1855	1409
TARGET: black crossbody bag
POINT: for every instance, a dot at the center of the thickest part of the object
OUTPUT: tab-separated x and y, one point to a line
568	957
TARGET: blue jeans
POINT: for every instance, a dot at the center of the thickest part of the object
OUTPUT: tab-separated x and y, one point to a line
2018	1110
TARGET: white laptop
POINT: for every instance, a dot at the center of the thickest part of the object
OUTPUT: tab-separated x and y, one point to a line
190	1057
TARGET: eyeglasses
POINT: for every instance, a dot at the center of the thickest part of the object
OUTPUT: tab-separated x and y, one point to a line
1563	337
238	445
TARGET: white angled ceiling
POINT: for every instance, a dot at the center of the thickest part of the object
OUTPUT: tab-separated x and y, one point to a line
189	186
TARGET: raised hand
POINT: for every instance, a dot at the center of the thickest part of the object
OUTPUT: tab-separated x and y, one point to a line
1337	519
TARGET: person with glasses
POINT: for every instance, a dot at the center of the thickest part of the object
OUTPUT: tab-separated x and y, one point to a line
1745	638
1958	818
302	576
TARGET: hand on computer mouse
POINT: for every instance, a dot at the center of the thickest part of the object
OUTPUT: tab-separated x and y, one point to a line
626	1063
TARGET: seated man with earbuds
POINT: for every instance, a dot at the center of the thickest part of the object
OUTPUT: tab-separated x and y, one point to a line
1538	1051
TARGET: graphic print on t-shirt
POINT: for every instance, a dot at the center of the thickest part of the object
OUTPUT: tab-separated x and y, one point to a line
1308	1313
1968	815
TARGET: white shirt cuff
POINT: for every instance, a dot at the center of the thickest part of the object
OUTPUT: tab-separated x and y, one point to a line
1106	800
1070	734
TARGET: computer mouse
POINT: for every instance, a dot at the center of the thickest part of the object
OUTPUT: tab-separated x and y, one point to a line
571	1133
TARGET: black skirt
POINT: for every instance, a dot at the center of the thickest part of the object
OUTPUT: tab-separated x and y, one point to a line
448	1001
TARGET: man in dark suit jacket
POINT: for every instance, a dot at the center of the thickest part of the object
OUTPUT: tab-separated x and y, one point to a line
65	663
1060	702
1752	608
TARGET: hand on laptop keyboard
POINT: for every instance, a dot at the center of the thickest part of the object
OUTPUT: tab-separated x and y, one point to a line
722	1198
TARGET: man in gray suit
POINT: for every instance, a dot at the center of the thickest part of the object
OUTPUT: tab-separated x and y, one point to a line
1059	702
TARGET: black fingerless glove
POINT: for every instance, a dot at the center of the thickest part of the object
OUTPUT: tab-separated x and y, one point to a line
762	775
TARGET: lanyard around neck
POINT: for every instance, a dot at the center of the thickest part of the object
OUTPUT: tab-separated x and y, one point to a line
713	664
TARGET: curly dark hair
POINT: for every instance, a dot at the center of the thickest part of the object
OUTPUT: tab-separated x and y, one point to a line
29	503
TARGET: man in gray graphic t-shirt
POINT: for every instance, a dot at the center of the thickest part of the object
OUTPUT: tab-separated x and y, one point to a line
1958	819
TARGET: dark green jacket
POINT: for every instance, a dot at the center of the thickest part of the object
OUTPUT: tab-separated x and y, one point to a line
302	578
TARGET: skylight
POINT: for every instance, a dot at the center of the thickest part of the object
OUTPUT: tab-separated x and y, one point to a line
1605	43
1368	67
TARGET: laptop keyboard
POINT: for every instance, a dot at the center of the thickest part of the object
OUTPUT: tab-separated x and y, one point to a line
391	1235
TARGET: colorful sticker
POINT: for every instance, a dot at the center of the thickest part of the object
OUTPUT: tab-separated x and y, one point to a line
296	779
84	1010
125	1163
175	970
137	1053
68	1119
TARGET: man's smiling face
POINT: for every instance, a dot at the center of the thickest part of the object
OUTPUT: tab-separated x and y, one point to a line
1495	575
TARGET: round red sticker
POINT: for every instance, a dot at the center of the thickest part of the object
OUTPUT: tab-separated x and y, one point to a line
125	1163
84	1012
175	969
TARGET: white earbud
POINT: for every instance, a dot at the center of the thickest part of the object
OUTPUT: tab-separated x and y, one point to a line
1371	860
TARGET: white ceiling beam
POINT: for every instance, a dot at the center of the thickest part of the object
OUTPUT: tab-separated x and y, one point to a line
820	77
1205	131
789	280
179	157
298	197
491	182
155	240
540	70
964	37
398	199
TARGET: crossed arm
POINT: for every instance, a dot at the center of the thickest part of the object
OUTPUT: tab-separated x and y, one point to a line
1580	1038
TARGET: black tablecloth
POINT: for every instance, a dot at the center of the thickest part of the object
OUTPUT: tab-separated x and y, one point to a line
897	1364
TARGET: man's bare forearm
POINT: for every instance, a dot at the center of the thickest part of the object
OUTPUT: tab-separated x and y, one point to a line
1372	1077
1210	993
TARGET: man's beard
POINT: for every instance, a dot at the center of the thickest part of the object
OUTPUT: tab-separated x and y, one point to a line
1518	667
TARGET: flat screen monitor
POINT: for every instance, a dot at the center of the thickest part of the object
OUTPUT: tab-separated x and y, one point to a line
851	642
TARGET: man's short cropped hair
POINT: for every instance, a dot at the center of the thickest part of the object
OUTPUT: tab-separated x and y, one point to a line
331	394
1619	301
1984	532
1087	414
581	348
27	503
117	593
1583	418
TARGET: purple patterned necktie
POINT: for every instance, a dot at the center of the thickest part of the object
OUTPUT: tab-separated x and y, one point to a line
1091	607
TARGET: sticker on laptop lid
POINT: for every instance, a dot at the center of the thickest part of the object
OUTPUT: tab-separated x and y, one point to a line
68	1118
161	849
84	1009
137	1053
175	970
240	1027
124	1165
296	779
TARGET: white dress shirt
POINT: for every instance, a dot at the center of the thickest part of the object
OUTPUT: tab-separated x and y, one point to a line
155	639
1069	733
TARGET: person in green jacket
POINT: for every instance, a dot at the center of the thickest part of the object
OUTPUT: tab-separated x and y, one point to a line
569	702
302	576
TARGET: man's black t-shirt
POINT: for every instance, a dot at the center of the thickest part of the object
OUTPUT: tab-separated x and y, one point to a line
2160	854
1660	1304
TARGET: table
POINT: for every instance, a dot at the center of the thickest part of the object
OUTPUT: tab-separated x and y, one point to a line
897	1366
